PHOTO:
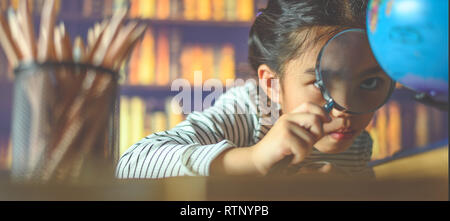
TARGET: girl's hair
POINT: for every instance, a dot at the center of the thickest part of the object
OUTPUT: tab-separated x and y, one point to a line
283	30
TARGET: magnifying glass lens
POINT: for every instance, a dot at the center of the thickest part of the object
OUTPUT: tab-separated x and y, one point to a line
351	75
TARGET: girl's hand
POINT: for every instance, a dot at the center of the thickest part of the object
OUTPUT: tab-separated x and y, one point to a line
321	168
293	134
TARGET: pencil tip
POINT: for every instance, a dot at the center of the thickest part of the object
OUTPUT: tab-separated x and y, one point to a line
62	27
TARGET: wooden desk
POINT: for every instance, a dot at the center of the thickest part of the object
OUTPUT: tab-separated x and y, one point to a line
238	189
413	178
429	164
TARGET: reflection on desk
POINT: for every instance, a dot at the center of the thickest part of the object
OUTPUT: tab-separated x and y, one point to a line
419	177
307	188
428	164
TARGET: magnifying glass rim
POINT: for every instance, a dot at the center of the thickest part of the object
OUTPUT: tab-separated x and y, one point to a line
320	82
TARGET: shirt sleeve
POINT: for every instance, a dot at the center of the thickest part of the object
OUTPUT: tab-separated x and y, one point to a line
190	147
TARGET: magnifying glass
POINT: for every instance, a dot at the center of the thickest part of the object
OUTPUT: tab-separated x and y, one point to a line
350	79
348	75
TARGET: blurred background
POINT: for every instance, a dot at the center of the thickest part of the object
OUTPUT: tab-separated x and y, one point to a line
184	36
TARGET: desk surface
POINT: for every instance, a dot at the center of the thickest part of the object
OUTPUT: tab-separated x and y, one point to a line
237	189
302	188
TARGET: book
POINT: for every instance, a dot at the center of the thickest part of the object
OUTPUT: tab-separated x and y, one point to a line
137	113
227	65
185	62
148	8
245	10
124	125
208	62
140	118
189	10
422	128
387	130
218	10
162	59
196	64
135	10
148	130
381	127
230	10
159	121
394	130
204	10
174	112
175	51
133	65
147	59
176	9
163	9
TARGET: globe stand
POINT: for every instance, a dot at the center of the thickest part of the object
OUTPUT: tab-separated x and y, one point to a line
430	101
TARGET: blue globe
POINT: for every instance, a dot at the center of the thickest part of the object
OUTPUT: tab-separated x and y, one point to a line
410	41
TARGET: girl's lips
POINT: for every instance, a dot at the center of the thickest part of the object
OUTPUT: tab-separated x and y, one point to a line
339	136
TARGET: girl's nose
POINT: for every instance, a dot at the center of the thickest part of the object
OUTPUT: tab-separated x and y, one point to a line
337	113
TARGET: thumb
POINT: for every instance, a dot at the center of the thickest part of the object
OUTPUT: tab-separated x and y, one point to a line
326	168
316	168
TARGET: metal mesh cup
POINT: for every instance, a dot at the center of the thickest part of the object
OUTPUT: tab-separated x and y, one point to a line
64	126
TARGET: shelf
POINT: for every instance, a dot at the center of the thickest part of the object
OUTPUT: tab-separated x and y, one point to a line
146	91
79	19
152	91
158	22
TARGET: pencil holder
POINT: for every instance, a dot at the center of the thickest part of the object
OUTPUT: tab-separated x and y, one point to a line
64	126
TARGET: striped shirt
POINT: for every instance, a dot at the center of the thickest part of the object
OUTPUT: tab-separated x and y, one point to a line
236	120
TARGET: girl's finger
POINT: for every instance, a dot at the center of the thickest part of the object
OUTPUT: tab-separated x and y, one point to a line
311	122
301	132
313	109
301	143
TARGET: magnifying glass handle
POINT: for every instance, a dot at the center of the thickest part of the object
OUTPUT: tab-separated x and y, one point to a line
329	106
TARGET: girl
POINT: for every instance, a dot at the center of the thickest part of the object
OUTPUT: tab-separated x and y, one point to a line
239	135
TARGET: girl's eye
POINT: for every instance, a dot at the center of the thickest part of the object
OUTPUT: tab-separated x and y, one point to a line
371	83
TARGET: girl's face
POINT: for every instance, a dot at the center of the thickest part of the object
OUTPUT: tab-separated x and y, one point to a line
298	88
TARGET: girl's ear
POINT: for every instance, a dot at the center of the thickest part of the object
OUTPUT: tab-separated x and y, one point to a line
270	83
